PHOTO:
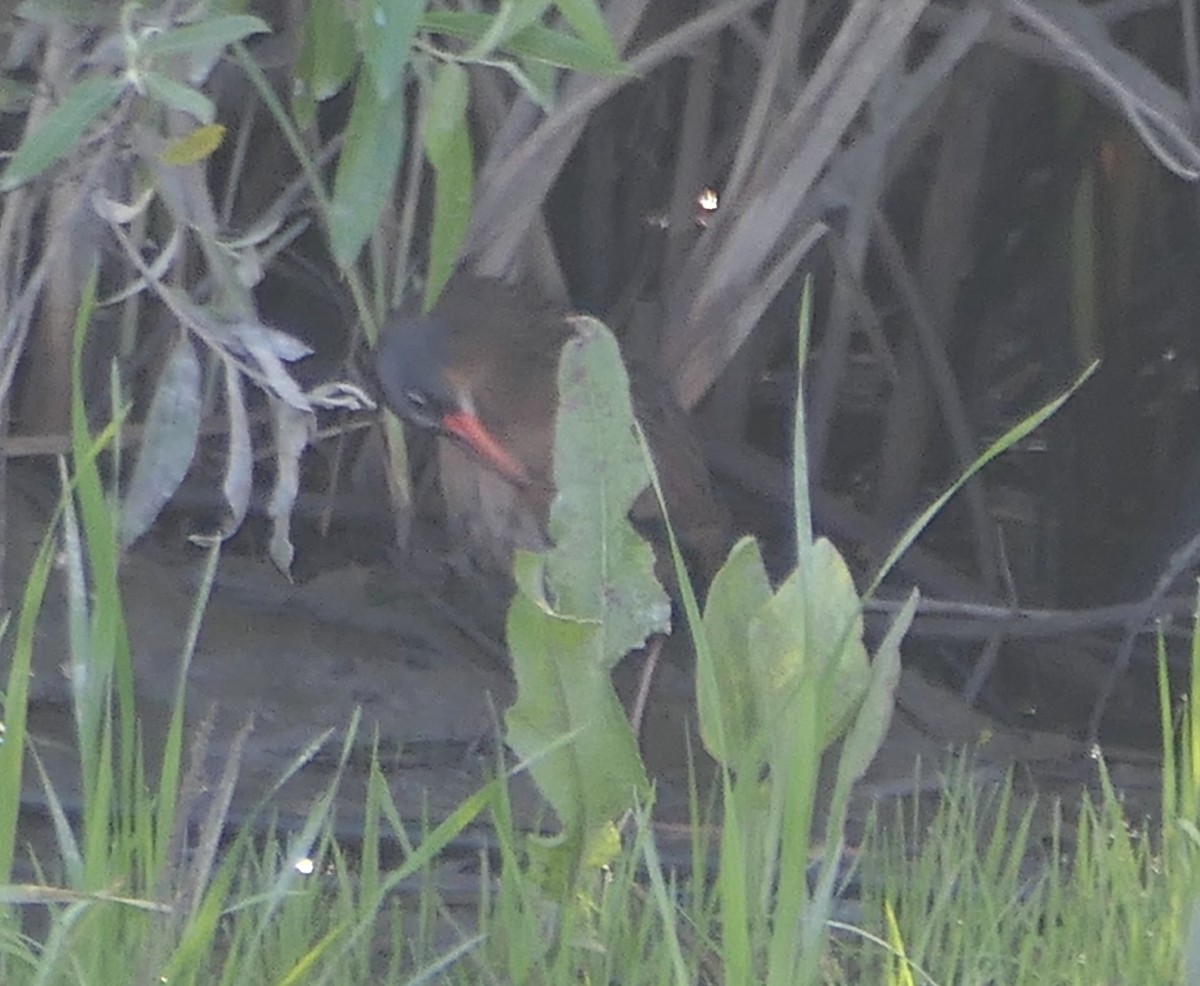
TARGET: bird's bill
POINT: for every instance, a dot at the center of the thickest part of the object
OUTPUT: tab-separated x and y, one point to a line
469	429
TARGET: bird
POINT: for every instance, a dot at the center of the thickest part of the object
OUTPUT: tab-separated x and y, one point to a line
480	369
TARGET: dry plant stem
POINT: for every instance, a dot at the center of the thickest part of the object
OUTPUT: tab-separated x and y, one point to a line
15	226
791	134
860	168
538	259
1114	11
1019	41
215	819
191	790
14	249
945	257
729	260
513	190
26	446
1076	38
870	186
174	879
983	668
944	620
778	65
692	157
335	475
1148	609
46	355
19	306
237	164
699	337
1153	108
645	682
849	299
414	170
1191	54
1191	60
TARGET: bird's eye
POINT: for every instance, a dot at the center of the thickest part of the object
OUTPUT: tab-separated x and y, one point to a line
416	399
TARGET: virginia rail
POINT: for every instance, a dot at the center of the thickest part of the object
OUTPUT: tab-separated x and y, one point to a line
481	368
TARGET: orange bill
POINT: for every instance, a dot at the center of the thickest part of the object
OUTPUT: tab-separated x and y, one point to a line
470	429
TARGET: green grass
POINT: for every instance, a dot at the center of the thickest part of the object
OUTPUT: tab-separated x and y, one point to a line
956	892
153	883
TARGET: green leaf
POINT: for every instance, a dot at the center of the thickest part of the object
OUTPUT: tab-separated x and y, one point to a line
875	714
329	53
581	606
563	690
14	698
809	636
729	721
447	110
215	33
172	429
510	20
61	130
564	51
387	28
587	21
537	42
178	96
538	80
599	567
84	13
366	170
304	107
448	148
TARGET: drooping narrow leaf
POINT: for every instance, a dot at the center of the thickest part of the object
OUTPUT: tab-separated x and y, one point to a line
539	81
215	32
875	714
169	441
537	42
84	13
239	458
178	96
448	148
268	348
61	130
366	170
510	20
329	52
290	429
585	18
387	29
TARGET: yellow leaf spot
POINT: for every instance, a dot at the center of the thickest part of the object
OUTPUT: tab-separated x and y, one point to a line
194	147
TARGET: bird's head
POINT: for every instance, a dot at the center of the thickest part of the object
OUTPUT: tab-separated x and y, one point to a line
419	383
